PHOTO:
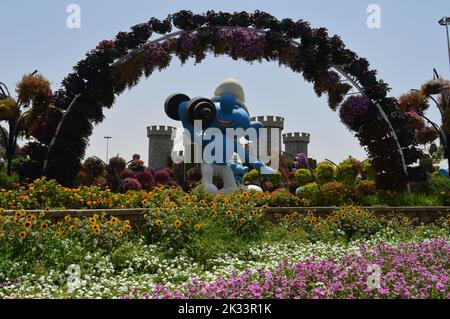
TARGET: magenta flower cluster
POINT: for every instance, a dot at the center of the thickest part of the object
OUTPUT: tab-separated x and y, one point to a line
353	110
418	270
301	161
246	44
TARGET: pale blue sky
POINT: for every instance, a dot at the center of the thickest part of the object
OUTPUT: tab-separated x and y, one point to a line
408	46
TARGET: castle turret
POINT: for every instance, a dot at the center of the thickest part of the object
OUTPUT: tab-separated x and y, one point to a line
271	122
160	145
296	143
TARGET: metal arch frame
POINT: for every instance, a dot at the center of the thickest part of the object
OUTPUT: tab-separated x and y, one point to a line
338	69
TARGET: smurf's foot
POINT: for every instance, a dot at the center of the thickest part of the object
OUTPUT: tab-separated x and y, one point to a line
252	188
211	188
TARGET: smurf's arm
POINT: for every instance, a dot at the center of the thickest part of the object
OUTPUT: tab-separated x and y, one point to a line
257	164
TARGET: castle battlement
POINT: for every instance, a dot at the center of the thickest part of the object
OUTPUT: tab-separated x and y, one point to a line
296	137
161	130
270	121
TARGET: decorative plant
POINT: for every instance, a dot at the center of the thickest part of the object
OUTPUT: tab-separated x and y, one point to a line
34	97
348	170
303	176
324	173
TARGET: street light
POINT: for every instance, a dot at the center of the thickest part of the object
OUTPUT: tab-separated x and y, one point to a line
107	138
445	21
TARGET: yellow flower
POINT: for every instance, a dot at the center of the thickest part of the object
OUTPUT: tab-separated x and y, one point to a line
265	206
296	231
202	202
228	213
115	220
44	226
178	223
242	221
27	224
198	227
72	228
59	233
127	227
158	223
67	218
92	220
189	222
22	234
18	214
405	219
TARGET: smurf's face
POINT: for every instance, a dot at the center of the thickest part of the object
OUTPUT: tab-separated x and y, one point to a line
230	114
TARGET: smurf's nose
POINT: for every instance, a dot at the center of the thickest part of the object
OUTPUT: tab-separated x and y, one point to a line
227	103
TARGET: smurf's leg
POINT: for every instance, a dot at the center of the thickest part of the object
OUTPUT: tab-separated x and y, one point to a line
207	178
229	181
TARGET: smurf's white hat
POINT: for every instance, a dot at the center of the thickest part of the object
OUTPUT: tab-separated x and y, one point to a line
231	86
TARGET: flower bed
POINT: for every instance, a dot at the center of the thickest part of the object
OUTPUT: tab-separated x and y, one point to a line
418	270
207	243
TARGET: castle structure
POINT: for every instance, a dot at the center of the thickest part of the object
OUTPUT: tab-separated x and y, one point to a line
161	140
160	145
296	143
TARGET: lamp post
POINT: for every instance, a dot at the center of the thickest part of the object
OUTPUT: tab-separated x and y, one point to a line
107	138
445	21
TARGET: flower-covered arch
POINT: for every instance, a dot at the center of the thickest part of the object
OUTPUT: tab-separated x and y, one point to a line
118	64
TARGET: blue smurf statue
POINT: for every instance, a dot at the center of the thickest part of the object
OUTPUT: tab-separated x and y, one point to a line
219	125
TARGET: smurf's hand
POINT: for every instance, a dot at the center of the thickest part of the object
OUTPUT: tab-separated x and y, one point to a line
263	169
238	169
266	171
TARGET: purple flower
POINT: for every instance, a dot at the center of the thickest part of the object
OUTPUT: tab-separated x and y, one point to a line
352	111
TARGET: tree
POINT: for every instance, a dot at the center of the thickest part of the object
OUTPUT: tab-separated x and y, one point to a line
34	97
417	102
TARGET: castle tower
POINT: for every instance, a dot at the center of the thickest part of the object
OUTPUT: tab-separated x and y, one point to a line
296	143
160	145
269	122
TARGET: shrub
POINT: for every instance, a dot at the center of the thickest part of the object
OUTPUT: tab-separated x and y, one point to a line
303	176
366	188
117	164
275	179
252	177
127	173
162	176
130	184
348	171
93	167
332	192
440	186
368	171
324	173
311	192
146	178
